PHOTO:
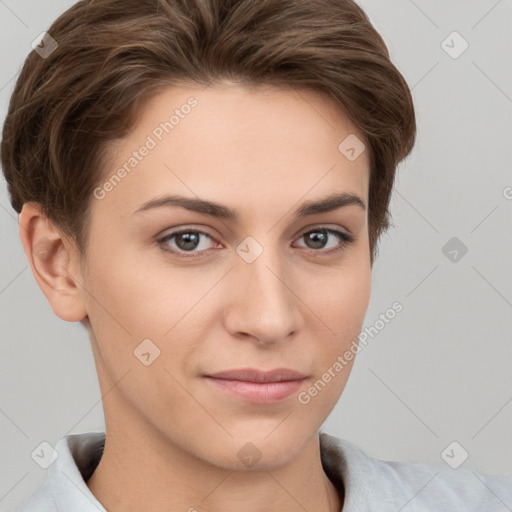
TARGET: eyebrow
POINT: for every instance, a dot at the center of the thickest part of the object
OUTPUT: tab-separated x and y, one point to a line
327	204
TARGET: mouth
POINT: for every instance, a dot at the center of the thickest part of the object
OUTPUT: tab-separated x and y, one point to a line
257	386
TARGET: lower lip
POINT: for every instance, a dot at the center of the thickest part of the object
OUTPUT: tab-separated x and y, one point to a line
258	392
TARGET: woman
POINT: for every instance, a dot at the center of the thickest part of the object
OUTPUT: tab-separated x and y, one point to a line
202	184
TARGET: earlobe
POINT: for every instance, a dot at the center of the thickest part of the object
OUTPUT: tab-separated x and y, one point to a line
53	263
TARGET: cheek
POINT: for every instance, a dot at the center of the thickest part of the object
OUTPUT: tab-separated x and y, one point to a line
342	311
140	296
340	307
340	299
121	302
131	301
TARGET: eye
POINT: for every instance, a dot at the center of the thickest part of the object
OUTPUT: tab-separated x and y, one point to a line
191	241
186	240
318	238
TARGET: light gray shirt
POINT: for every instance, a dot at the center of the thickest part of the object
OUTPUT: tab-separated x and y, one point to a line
367	484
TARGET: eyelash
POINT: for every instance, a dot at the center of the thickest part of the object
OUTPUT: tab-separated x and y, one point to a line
344	238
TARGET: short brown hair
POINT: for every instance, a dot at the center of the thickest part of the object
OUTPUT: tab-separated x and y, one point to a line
113	54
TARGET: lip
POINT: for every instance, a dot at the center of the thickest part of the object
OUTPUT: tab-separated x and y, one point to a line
258	386
255	375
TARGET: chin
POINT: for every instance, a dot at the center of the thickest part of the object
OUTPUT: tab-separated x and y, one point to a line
257	452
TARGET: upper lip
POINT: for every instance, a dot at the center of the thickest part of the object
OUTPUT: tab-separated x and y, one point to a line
254	375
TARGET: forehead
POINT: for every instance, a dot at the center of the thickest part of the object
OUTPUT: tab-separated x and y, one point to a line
253	144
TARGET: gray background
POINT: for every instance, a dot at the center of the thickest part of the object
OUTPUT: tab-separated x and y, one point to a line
441	370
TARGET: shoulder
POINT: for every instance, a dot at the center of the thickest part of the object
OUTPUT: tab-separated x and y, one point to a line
65	488
389	485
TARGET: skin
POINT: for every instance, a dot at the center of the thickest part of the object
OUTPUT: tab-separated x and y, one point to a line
172	438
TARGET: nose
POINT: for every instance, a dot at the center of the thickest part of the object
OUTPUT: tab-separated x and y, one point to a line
263	306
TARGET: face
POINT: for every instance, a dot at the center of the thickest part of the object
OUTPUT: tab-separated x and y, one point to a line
176	294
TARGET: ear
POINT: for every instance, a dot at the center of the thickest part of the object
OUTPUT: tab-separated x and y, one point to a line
54	263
